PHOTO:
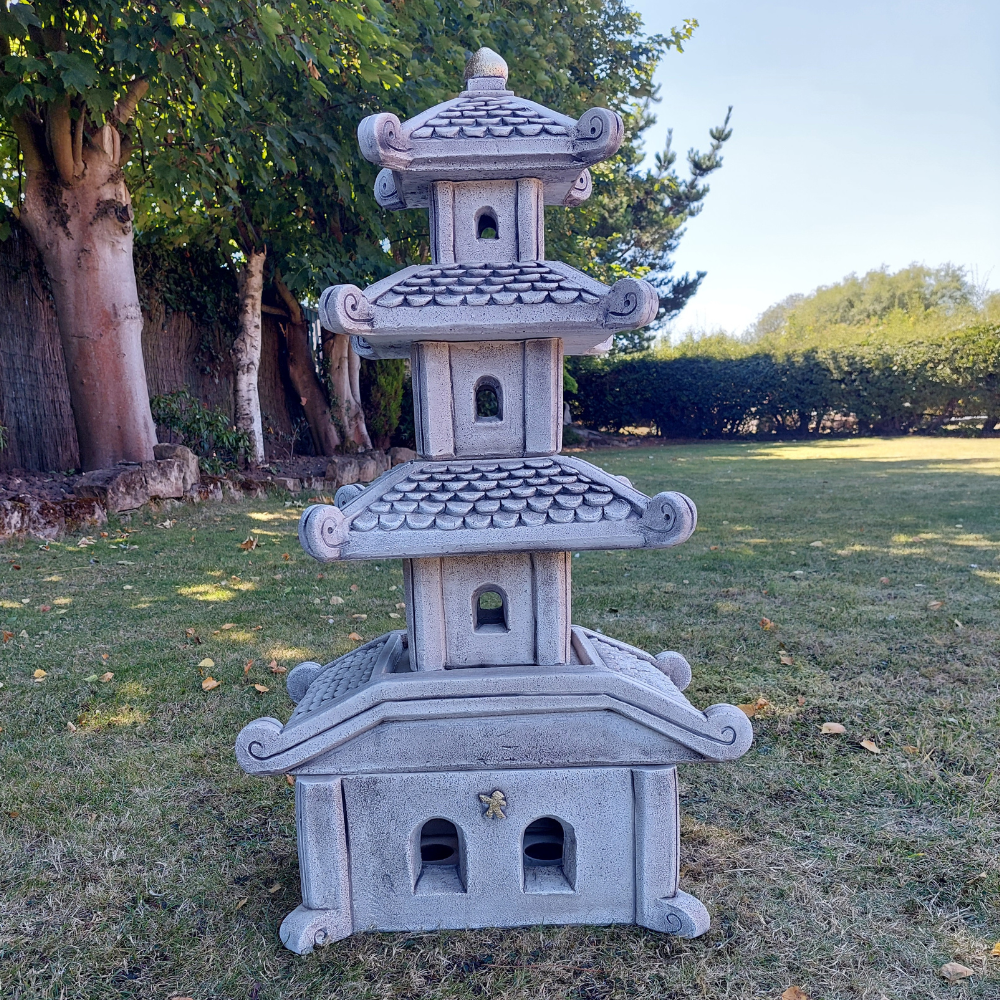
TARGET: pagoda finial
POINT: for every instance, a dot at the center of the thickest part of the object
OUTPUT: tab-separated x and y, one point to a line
486	63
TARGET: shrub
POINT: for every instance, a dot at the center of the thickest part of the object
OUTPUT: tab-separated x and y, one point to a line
209	433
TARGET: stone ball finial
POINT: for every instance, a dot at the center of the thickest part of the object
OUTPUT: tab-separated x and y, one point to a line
486	62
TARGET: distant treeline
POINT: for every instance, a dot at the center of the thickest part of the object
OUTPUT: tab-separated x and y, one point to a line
883	354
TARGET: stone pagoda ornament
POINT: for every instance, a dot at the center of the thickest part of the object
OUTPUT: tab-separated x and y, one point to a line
492	764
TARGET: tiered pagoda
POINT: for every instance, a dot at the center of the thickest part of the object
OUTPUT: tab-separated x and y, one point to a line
492	764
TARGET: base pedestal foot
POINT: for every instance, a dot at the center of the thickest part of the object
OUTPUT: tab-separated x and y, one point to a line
681	914
304	929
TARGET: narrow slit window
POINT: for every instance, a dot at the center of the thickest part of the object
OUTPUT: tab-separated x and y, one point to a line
488	400
491	611
486	226
440	859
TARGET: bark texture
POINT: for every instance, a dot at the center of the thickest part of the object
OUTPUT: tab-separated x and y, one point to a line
82	226
344	367
246	354
302	372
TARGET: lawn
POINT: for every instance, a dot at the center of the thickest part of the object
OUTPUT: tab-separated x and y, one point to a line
138	861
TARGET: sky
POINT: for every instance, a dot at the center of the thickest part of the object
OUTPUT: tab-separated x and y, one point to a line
864	134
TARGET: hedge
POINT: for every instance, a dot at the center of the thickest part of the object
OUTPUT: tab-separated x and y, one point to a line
869	389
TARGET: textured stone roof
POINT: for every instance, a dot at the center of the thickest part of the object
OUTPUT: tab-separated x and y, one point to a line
502	493
340	677
488	115
529	282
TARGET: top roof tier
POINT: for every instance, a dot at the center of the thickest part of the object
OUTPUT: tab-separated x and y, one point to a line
487	133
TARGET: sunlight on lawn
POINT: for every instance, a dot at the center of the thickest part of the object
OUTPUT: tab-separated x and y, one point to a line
206	592
975	454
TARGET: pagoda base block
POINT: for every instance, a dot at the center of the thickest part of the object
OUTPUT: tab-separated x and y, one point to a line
681	914
305	929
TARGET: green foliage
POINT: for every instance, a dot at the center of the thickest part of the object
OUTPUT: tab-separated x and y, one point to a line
209	433
382	384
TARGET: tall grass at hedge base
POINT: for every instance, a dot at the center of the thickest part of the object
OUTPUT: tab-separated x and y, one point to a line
721	387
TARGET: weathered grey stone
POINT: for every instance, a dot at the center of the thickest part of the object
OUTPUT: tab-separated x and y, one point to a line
165	478
491	764
184	455
291	483
343	469
119	489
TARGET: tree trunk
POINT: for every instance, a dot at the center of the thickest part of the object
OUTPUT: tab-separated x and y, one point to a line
246	353
345	392
302	372
82	227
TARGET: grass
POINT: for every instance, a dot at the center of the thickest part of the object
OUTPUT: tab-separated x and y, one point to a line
138	861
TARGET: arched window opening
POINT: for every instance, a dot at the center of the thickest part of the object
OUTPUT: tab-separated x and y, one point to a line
488	400
490	610
486	226
548	855
440	858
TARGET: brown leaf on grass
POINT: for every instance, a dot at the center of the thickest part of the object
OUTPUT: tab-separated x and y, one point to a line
787	659
106	677
754	707
246	667
767	624
713	548
801	700
884	579
104	656
360	618
392	614
243	902
7	636
262	688
871	746
815	545
995	951
400	606
336	600
911	749
207	662
210	684
248	544
795	993
935	605
354	588
274	888
354	637
286	557
40	674
832	729
954	971
45	607
275	669
228	626
290	779
71	727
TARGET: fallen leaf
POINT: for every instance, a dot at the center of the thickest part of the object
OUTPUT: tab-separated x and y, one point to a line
39	674
92	679
767	624
207	662
246	667
25	600
248	544
935	605
354	637
815	545
832	729
884	579
209	684
400	606
871	746
104	656
911	749
953	971
216	632
787	659
286	556
45	607
751	709
262	688
360	618
392	614
71	727
275	669
14	566
336	600
128	586
228	626
105	677
713	548
995	952
274	888
290	779
7	636
239	906
801	700
795	993
354	588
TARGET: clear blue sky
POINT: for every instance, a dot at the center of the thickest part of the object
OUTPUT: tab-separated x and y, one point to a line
865	133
